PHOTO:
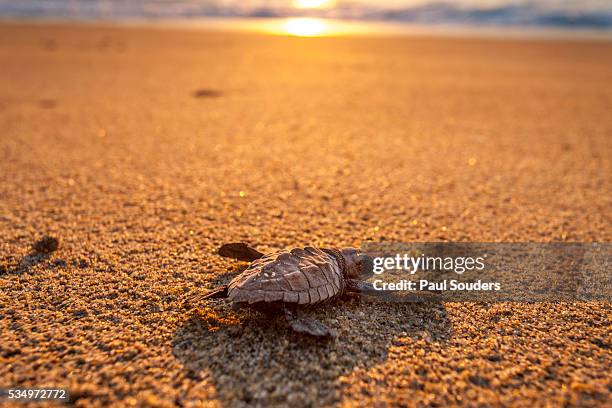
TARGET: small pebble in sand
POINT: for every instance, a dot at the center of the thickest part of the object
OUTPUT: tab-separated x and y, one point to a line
46	245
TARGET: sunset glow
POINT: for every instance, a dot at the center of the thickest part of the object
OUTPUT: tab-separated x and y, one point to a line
312	3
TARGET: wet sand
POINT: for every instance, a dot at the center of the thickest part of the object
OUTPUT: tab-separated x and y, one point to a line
143	150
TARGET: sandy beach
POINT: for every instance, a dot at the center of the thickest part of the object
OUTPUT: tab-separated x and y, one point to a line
144	149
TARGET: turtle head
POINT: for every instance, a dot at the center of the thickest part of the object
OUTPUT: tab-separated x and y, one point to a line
358	264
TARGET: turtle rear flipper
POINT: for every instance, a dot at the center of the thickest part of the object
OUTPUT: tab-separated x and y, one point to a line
218	293
239	251
307	325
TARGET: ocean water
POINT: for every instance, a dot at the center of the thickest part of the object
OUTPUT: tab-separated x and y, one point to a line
566	14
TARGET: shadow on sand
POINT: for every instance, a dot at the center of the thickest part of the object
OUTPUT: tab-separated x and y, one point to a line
24	264
251	358
41	251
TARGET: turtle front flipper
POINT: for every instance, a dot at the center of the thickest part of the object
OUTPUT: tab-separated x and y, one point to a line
357	286
366	288
305	324
239	251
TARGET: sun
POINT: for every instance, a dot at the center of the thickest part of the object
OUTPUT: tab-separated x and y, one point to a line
311	3
304	27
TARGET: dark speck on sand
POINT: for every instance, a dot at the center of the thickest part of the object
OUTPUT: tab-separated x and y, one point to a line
46	245
206	93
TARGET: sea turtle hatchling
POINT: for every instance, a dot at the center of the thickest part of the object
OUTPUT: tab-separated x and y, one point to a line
294	280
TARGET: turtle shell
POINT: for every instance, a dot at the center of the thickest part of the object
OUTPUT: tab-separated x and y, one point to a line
301	275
